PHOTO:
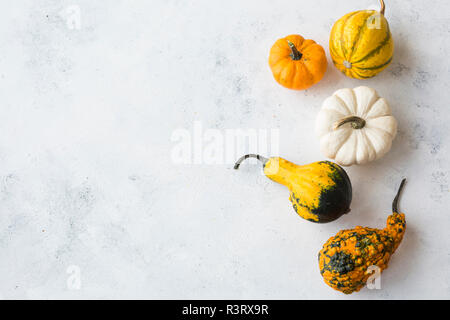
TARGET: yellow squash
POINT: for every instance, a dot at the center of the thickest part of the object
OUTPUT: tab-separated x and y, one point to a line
320	192
361	43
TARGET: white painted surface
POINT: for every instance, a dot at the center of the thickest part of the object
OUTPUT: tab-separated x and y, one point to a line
87	184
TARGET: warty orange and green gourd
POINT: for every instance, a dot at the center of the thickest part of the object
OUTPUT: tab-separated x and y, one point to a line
345	259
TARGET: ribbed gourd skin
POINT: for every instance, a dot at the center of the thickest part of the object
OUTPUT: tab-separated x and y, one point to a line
361	44
345	259
320	192
300	74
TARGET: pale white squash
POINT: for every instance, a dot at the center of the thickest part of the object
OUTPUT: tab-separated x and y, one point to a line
355	126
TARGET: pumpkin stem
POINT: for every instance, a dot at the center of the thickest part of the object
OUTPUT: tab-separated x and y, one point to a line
357	122
395	202
383	7
295	54
257	156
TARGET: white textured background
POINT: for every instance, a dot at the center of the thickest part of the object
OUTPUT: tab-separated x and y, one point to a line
86	176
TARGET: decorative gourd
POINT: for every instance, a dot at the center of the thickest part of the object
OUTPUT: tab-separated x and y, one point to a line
319	192
355	126
345	259
297	63
361	43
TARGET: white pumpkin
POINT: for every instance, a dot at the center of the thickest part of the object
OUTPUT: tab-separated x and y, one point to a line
355	126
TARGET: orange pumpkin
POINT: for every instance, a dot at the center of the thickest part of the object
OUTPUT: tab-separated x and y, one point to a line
297	63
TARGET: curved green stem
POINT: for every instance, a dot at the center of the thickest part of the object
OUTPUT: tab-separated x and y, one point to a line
357	122
395	202
257	156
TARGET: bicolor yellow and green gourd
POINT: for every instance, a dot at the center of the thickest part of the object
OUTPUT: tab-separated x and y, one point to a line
320	192
361	44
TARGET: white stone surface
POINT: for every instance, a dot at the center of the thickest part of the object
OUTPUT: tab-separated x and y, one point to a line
92	204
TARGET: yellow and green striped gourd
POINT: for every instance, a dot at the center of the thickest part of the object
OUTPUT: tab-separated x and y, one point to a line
361	43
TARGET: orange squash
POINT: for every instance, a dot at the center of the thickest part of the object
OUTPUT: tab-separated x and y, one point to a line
297	63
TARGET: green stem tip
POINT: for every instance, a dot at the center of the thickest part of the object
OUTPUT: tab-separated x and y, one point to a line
395	202
357	122
295	54
257	156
